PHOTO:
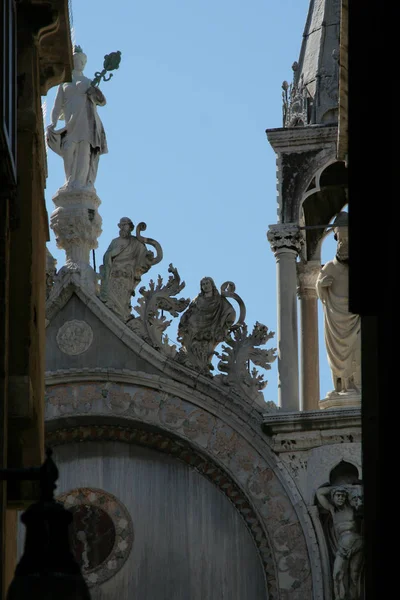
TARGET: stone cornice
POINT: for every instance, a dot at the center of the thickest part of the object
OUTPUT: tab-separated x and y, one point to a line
311	420
298	139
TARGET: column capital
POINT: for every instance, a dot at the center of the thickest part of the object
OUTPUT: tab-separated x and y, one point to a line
285	236
307	274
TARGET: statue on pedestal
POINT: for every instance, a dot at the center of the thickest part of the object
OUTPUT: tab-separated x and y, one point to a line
125	261
82	139
342	328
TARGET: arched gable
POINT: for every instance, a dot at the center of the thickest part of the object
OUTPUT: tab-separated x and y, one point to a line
213	439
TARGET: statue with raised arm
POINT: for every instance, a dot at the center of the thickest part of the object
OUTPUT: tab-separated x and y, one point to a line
343	503
342	328
206	323
82	139
125	261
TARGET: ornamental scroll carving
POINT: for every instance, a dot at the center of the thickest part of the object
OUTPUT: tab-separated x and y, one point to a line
206	323
152	323
125	261
239	351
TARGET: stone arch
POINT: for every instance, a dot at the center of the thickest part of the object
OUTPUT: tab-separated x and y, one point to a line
320	203
236	462
167	444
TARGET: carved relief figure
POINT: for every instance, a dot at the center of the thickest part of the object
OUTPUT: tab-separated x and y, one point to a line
204	325
346	541
125	261
82	139
342	328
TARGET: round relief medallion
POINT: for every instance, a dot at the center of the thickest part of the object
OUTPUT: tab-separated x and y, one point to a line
101	532
74	337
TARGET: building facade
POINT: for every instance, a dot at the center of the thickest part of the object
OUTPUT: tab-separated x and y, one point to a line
36	54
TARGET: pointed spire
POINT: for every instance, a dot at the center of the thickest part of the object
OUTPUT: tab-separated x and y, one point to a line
312	98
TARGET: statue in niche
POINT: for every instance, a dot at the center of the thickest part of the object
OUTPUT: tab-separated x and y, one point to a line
342	328
344	504
206	323
125	261
82	139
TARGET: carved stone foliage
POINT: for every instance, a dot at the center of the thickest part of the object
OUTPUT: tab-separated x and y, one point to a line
239	351
125	261
218	443
74	337
206	323
101	533
341	514
152	323
285	236
307	273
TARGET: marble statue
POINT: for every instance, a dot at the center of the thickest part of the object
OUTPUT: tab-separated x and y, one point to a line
125	261
342	328
344	504
204	325
82	139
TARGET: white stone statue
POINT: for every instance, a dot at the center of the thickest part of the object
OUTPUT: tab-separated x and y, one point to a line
204	325
342	328
345	538
125	261
82	139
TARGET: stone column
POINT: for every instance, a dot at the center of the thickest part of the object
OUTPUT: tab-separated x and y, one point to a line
286	240
307	276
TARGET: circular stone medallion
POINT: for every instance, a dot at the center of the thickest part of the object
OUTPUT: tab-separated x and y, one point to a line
101	533
74	337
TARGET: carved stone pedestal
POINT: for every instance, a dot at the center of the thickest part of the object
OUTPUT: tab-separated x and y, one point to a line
77	226
341	400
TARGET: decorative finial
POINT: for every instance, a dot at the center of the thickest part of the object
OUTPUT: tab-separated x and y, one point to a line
77	49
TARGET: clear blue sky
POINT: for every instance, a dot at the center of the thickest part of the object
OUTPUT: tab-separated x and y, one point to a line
186	114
